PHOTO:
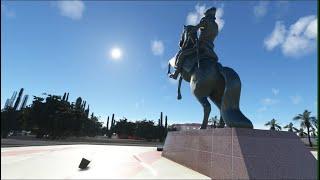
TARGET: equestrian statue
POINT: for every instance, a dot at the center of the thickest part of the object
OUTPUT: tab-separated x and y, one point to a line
197	63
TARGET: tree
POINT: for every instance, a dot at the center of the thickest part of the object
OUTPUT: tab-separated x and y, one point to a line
24	102
166	123
221	123
213	122
67	98
146	130
274	126
78	103
315	124
124	128
289	127
165	127
87	111
107	124
6	105
111	126
161	123
13	97
306	122
18	99
300	132
313	132
64	96
4	123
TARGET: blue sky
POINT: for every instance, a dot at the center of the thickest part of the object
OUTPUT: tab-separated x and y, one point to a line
58	47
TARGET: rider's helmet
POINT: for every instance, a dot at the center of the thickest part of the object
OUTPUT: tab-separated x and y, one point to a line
211	11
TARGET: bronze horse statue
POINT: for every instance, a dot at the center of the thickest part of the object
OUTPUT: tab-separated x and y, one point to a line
209	79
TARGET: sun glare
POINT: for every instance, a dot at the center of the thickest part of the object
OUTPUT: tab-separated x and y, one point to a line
116	53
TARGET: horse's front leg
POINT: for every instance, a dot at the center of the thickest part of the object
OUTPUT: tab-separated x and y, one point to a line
206	110
179	86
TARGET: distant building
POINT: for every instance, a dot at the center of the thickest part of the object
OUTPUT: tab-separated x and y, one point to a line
186	126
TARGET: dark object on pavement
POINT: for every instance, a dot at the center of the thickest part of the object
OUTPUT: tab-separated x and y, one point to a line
159	148
84	163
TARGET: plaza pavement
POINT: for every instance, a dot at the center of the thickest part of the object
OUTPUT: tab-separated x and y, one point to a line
56	161
107	162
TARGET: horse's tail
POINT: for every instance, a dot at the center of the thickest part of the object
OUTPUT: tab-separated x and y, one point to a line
230	111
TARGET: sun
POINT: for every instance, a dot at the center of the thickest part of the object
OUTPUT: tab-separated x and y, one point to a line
116	53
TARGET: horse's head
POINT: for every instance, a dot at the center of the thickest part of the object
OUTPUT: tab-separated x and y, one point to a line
192	30
189	36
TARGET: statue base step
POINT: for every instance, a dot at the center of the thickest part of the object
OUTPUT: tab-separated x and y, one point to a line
238	153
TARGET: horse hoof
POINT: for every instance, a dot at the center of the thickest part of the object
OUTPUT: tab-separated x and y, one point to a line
179	97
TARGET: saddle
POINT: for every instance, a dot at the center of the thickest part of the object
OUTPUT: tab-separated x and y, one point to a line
191	60
189	63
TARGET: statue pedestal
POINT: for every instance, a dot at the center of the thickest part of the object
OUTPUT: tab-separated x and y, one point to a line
236	153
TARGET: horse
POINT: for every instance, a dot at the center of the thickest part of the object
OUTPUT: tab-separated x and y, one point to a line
209	79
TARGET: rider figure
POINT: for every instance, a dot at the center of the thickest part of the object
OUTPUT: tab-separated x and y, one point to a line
209	31
187	47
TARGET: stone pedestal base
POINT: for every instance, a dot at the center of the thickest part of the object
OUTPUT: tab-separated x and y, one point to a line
236	153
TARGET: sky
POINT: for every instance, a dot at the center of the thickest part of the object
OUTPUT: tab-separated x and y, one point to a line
65	46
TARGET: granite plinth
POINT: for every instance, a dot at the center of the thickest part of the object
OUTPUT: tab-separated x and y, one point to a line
237	153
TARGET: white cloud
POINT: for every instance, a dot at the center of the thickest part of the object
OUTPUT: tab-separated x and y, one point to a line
72	9
298	27
193	18
157	47
311	31
269	101
298	40
275	91
301	37
297	46
261	9
296	99
276	37
219	19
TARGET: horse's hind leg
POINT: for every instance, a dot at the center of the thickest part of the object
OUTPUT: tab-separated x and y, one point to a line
206	111
216	98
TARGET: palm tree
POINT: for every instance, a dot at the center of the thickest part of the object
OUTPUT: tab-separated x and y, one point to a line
306	122
274	126
221	123
300	132
213	121
315	130
289	127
